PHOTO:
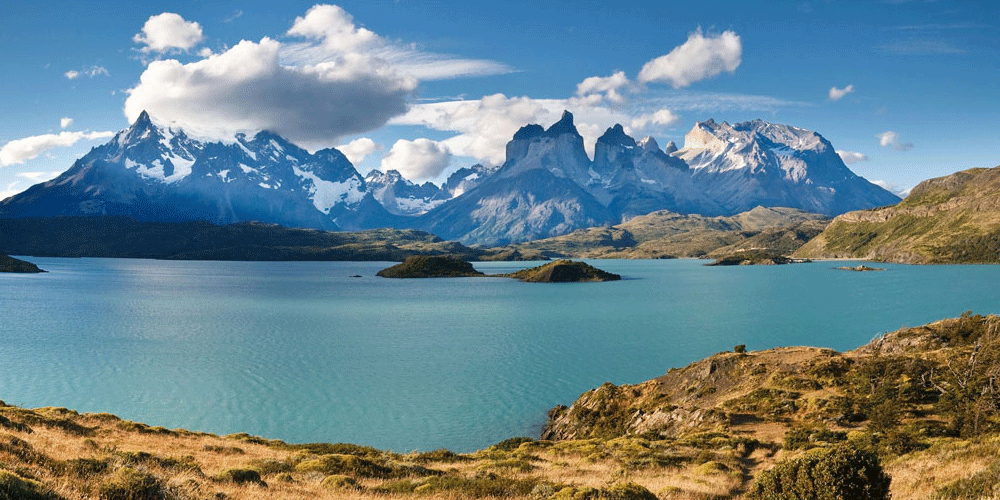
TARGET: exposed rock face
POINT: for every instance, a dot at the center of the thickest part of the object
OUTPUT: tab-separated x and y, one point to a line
12	265
564	271
430	267
951	219
400	196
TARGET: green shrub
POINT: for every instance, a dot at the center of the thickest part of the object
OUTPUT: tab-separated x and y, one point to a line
838	473
440	455
344	464
131	484
85	467
240	476
14	487
629	491
339	482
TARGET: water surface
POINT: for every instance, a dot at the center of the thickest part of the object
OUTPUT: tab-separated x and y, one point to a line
301	351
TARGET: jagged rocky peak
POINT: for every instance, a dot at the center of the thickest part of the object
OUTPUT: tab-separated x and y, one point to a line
616	136
563	126
671	147
708	135
649	144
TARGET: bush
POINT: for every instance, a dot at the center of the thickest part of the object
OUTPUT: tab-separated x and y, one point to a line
344	464
131	484
241	476
14	487
629	491
838	473
339	482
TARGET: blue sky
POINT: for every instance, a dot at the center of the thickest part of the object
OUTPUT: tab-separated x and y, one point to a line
906	89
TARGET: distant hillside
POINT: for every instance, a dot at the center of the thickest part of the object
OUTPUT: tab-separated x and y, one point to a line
665	234
119	236
951	219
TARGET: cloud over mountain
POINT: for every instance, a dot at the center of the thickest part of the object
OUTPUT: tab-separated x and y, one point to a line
697	59
168	31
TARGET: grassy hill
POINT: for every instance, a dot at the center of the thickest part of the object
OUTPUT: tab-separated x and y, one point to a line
922	399
952	219
665	234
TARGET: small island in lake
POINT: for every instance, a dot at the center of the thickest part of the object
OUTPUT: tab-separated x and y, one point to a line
564	271
425	266
860	268
755	258
12	265
559	271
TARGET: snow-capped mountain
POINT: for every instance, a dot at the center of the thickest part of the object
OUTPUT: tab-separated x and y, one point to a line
400	196
547	186
759	163
152	172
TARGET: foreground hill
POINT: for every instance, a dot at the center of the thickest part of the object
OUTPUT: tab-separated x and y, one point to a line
914	397
951	219
666	234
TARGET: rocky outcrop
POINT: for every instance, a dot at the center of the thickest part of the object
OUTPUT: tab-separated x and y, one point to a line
12	265
430	267
564	271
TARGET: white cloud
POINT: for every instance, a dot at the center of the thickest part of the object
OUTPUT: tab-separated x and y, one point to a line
891	139
418	160
837	94
20	150
663	117
358	149
91	72
893	188
335	28
246	88
168	31
851	157
698	58
37	177
606	86
331	33
65	122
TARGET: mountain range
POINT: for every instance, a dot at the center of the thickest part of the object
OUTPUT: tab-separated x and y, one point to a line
548	185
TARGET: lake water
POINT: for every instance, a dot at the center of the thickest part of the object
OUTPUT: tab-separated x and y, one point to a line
304	352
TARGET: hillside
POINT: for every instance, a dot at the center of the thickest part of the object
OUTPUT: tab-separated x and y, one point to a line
921	398
118	236
951	219
666	234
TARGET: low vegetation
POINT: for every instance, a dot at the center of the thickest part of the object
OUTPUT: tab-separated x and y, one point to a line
912	415
951	219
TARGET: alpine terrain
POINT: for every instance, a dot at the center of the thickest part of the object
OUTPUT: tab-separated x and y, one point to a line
548	185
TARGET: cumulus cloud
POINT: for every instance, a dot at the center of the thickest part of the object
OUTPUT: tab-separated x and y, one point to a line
700	57
330	32
72	74
19	151
837	94
851	157
890	139
168	32
65	122
246	88
335	28
358	149
604	87
417	160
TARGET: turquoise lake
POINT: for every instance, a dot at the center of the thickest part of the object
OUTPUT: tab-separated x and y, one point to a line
303	352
